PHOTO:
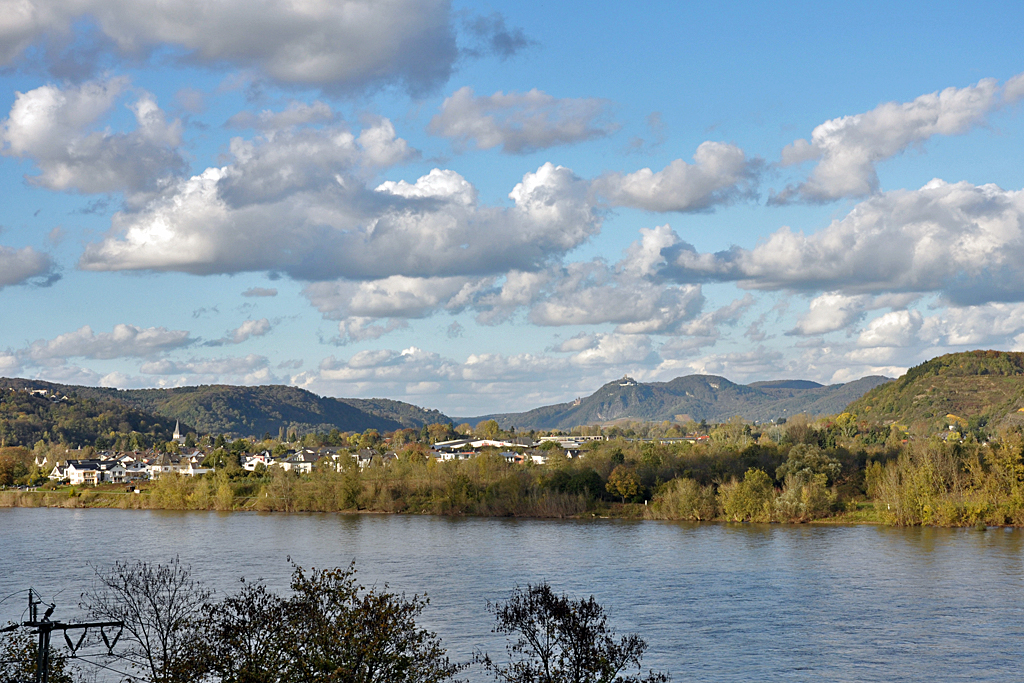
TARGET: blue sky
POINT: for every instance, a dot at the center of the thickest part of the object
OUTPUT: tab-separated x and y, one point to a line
483	207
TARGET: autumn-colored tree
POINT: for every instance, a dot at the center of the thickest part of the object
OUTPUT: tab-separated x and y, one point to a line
623	481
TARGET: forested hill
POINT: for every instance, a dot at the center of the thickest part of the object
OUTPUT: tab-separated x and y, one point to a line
65	416
694	397
253	411
978	387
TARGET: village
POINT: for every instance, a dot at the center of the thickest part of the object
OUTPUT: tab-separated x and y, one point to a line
108	467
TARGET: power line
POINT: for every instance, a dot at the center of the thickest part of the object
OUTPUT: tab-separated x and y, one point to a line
44	628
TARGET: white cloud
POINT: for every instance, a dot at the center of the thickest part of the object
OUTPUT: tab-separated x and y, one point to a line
245	331
250	369
252	216
646	256
50	126
961	240
357	329
124	341
994	324
848	148
591	294
520	123
616	350
393	297
742	366
295	114
381	146
893	329
18	266
720	174
336	45
830	312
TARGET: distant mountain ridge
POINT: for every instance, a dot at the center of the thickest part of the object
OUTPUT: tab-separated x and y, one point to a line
694	397
253	411
256	410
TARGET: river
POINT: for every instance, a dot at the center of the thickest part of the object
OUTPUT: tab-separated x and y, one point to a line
716	602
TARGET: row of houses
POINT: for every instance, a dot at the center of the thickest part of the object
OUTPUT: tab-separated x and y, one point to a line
126	468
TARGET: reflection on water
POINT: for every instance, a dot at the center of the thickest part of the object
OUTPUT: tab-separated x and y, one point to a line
716	602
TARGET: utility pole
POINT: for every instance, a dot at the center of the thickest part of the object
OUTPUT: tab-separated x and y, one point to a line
44	627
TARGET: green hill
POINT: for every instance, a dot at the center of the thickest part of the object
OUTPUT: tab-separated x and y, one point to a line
985	386
694	397
254	411
63	415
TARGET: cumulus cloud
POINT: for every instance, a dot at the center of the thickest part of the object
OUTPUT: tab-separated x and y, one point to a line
830	312
382	147
250	369
848	148
720	174
592	294
50	126
989	324
895	328
616	350
740	366
18	266
125	341
520	123
961	240
255	215
393	297
245	331
358	328
336	45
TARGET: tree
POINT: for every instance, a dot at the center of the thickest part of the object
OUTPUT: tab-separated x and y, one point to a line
623	481
488	429
344	632
19	660
247	635
561	640
806	461
161	607
370	439
751	499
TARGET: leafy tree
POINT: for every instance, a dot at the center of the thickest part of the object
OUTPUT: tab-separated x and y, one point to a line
623	481
488	429
561	640
19	660
248	635
344	632
370	439
161	607
751	499
806	461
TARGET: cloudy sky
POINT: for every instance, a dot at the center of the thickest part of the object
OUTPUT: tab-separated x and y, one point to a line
485	207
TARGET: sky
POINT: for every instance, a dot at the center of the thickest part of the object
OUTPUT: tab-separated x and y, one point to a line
486	207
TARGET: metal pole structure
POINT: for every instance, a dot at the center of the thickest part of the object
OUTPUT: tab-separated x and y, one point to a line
44	627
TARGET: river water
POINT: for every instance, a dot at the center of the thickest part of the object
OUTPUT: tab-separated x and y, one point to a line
715	602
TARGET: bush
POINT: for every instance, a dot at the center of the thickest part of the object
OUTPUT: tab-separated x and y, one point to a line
685	499
750	500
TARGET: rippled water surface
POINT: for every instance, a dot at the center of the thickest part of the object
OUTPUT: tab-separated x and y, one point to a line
715	602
